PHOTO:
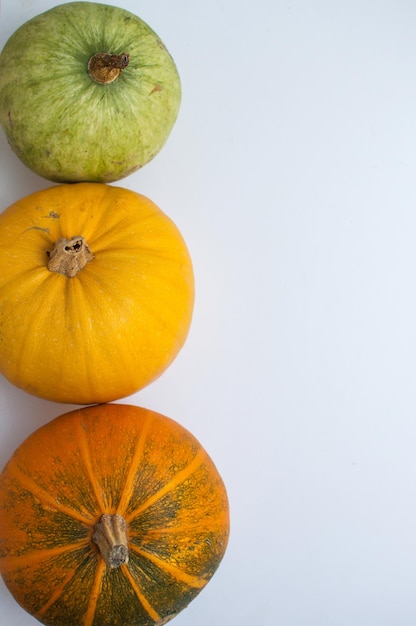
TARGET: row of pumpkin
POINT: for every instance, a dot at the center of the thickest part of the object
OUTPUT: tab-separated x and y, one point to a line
111	514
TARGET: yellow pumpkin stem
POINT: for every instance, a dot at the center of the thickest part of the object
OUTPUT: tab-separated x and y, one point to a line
111	537
104	68
69	256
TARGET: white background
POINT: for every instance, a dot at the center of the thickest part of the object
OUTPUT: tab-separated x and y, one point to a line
291	174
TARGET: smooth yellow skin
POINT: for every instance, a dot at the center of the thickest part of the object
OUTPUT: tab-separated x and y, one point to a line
116	325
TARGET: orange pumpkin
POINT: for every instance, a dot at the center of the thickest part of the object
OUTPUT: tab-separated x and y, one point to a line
110	515
96	293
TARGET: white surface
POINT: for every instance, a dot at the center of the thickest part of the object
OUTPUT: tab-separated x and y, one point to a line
291	174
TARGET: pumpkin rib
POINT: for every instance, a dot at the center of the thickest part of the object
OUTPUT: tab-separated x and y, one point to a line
118	229
25	277
85	292
93	359
155	310
124	252
176	480
59	590
155	533
80	319
95	592
140	595
162	281
196	582
56	594
28	483
12	563
161	319
128	488
145	229
33	303
86	458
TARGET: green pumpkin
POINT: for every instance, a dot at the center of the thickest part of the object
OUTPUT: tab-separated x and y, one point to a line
88	92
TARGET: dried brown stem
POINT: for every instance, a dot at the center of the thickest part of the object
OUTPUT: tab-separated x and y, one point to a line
69	256
110	534
104	68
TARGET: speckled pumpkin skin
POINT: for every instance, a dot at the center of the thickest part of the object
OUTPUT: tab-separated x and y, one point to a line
110	459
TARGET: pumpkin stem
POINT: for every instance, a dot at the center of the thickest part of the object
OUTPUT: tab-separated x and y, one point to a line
110	534
104	68
69	256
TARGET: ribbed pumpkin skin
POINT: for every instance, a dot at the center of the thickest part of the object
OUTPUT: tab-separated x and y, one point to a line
110	459
115	326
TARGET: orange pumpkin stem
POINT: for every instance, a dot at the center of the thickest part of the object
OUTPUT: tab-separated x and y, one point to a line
104	68
69	256
110	535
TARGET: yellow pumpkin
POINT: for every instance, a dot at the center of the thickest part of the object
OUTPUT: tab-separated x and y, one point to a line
110	515
96	293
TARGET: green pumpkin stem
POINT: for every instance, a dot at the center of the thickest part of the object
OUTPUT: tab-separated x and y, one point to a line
69	256
104	68
110	535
